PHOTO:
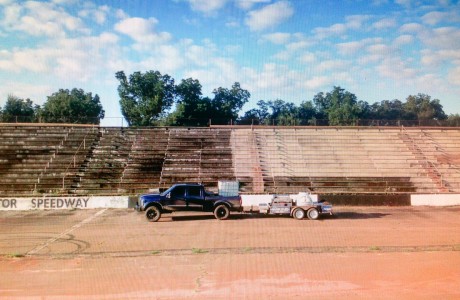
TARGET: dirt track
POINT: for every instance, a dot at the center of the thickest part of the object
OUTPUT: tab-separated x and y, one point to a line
362	253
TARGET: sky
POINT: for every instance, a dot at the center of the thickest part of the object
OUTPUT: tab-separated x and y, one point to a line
276	49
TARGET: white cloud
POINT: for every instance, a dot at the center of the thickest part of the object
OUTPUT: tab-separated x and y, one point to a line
207	6
97	14
317	82
41	19
248	4
142	31
269	16
433	59
35	92
294	49
353	22
396	69
434	17
411	28
76	59
384	24
454	76
351	48
278	38
332	65
406	3
307	57
443	37
403	40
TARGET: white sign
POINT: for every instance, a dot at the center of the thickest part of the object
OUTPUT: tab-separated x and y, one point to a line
83	202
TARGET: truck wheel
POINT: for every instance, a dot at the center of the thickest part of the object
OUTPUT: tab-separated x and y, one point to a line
221	212
313	214
298	213
153	214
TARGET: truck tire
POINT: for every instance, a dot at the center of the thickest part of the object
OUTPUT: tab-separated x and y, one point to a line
221	212
298	213
153	213
313	214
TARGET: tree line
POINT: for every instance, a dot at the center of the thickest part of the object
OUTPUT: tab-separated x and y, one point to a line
154	99
64	106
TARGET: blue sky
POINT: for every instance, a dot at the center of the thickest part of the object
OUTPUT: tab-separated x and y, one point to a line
286	49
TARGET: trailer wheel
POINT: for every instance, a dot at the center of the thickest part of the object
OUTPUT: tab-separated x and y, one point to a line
221	212
298	213
153	214
313	214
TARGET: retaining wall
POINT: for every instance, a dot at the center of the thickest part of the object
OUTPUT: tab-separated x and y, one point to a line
250	202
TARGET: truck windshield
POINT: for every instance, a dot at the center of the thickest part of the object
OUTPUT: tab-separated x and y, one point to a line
167	191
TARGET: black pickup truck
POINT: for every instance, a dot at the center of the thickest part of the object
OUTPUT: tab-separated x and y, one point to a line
187	197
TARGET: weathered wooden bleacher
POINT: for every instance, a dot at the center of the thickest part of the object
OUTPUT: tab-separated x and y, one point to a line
59	159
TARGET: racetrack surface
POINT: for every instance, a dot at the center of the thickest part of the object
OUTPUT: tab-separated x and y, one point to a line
360	253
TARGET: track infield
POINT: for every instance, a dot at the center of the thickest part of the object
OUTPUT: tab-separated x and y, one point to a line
360	253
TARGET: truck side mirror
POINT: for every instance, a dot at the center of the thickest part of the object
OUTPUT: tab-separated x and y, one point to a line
168	195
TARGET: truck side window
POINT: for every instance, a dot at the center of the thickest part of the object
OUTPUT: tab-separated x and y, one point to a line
178	191
194	191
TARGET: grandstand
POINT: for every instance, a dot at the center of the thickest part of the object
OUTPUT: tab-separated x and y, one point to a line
58	159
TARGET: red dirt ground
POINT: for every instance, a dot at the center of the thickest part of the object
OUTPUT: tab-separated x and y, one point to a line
362	253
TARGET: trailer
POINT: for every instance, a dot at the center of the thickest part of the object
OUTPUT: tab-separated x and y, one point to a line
298	206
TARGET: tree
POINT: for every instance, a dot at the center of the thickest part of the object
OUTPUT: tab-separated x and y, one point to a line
73	106
227	103
420	107
191	108
19	110
453	120
386	110
144	98
340	107
256	116
307	113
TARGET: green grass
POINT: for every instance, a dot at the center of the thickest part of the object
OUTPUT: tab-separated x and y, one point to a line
155	252
15	255
199	251
375	248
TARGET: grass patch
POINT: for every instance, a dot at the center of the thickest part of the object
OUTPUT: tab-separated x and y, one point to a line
199	251
248	249
15	255
375	248
155	252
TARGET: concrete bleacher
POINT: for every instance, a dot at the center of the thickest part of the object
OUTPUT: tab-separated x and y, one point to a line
345	160
197	155
35	158
90	160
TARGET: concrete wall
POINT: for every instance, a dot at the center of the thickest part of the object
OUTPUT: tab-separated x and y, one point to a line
435	199
81	202
250	202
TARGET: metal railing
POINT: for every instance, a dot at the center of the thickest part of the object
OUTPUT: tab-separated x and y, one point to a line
74	157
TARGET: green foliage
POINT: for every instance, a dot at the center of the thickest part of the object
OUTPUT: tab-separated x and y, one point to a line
339	106
386	110
19	110
144	98
73	106
453	120
421	107
227	103
194	110
191	108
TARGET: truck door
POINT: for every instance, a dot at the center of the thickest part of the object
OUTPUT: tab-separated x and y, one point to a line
176	198
195	198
